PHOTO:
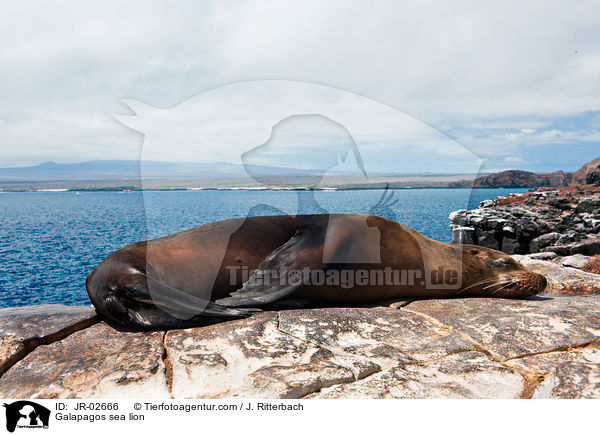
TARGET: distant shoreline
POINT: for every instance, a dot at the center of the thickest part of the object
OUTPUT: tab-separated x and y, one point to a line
251	189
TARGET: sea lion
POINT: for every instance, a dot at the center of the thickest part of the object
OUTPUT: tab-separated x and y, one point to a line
154	285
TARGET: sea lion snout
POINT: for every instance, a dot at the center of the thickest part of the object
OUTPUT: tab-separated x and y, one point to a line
519	285
539	283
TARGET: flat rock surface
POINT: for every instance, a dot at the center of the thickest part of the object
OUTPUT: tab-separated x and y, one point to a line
443	348
568	375
388	336
97	362
466	375
41	320
24	328
254	358
513	328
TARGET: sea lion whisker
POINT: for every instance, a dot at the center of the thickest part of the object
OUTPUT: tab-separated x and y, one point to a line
497	283
483	281
503	287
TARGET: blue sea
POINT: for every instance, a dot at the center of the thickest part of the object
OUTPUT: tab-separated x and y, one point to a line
50	241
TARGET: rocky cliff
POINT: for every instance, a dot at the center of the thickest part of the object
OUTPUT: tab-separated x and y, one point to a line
563	221
546	346
589	173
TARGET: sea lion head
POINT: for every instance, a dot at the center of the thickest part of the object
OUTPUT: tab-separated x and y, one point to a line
487	272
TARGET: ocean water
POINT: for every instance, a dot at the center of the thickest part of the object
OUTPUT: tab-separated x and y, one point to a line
50	241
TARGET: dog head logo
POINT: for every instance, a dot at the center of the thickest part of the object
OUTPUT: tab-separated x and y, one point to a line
316	133
26	414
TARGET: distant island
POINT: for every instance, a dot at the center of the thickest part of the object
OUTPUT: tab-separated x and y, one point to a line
588	174
125	175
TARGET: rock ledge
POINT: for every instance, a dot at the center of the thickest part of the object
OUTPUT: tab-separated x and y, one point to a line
465	348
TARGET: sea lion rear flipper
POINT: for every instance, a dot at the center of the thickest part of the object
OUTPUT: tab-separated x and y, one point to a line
281	273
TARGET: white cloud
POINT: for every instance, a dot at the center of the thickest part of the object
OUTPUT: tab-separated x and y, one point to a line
65	66
222	124
513	159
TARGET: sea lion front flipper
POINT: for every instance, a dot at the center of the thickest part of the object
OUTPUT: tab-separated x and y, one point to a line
179	303
281	273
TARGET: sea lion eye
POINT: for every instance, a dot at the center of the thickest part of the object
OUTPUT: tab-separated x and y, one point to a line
502	262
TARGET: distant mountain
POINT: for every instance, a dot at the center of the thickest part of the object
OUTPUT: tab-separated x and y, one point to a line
101	170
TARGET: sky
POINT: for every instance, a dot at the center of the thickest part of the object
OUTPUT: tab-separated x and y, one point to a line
514	85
